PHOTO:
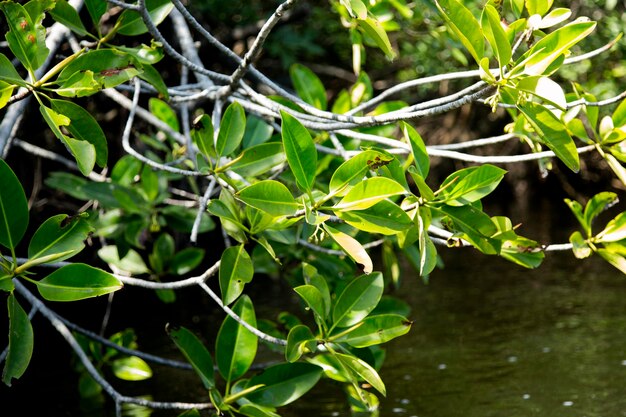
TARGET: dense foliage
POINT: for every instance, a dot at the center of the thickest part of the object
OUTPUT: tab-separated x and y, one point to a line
303	183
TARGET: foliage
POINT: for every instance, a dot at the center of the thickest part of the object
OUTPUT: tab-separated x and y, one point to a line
304	184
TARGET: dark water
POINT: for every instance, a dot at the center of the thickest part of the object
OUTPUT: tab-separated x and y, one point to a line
489	339
493	340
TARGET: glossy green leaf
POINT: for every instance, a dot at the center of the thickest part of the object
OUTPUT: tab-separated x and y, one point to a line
596	205
131	23
83	151
8	73
131	368
464	25
13	208
153	77
619	115
524	252
96	9
375	330
164	112
539	7
493	31
308	86
369	192
257	132
353	170
418	149
313	299
554	45
356	8
6	281
425	191
195	352
270	196
470	184
615	259
106	67
556	16
26	36
6	91
259	159
300	151
131	263
236	346
372	28
236	270
203	135
20	342
59	238
186	260
299	341
364	371
284	383
83	127
312	277
383	217
232	128
553	133
352	248
358	299
67	15
580	247
615	230
544	88
77	282
144	53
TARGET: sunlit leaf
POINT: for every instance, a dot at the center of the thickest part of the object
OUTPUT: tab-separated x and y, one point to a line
131	263
372	28
358	299
352	248
232	128
57	235
300	151
383	217
470	184
464	25
369	192
363	371
375	330
131	368
270	196
299	340
493	31
236	270
284	383
353	170
26	36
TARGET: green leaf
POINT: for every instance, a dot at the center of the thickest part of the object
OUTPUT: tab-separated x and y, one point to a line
418	149
353	170
270	196
308	86
131	368
580	248
153	77
539	58
203	135
314	300
425	191
618	261
577	209
232	128
363	371
283	383
493	31
356	8
619	115
20	342
131	263
182	219
376	330
615	230
299	341
26	36
59	238
236	270
77	282
553	133
372	28
544	88
105	68
539	7
13	208
67	15
186	260
145	54
190	413
300	151
253	410
164	112
96	9
556	16
352	248
83	151
131	23
83	127
369	192
312	277
470	184
259	159
464	25
257	132
8	73
524	252
358	299
383	217
195	352
236	346
596	205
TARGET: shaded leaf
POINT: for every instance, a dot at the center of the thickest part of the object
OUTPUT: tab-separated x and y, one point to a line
232	128
308	86
195	352
67	15
300	151
131	23
20	342
26	36
283	383
236	270
236	346
358	299
59	234
299	340
270	196
13	208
